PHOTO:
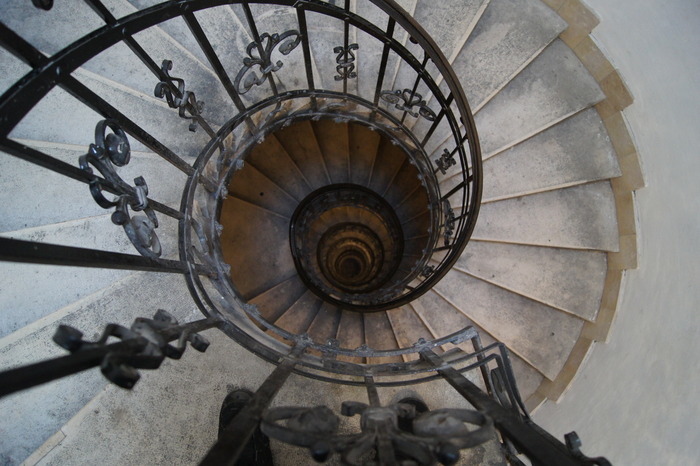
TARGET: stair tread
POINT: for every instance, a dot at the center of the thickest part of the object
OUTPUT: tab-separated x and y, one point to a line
61	199
333	139
387	163
581	217
521	323
254	187
364	145
575	151
255	269
300	143
351	332
273	303
33	290
567	279
379	335
554	86
30	417
408	328
508	34
325	324
299	316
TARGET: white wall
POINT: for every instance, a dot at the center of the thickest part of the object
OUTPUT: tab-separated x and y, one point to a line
636	399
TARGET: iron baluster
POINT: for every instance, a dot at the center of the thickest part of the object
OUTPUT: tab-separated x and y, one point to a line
438	120
306	49
382	65
189	108
218	67
143	346
112	149
15	250
234	438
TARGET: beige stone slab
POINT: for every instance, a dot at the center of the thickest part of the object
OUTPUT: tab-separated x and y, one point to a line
567	279
574	151
553	87
541	335
581	217
593	58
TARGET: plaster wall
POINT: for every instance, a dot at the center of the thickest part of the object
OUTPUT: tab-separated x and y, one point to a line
635	401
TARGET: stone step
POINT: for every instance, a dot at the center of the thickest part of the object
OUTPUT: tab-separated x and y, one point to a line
37	289
256	188
270	158
408	328
509	35
551	88
581	217
298	318
575	151
334	141
255	269
520	323
351	333
325	324
432	306
386	165
61	199
299	141
364	145
379	335
47	122
566	279
30	417
275	301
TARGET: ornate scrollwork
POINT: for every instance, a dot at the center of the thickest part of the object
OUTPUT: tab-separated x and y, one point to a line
285	43
112	149
410	100
427	271
345	61
177	97
445	161
449	221
437	435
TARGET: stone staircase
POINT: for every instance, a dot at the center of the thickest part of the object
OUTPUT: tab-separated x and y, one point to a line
541	273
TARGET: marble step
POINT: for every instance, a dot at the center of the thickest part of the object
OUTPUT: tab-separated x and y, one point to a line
351	333
61	199
580	217
567	279
575	151
551	88
298	317
521	323
255	269
34	290
325	324
29	418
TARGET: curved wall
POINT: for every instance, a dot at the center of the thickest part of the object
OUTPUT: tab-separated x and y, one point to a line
635	401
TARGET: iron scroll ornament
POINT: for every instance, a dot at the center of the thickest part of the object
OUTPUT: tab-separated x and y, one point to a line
410	99
177	97
437	435
285	43
345	61
112	149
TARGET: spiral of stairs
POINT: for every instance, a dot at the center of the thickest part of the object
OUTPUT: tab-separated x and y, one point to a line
322	217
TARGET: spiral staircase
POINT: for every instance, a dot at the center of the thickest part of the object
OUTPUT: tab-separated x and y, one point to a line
335	190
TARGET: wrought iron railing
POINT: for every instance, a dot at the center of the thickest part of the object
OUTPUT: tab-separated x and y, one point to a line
409	94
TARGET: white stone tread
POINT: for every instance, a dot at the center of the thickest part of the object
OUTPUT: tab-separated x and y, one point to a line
570	280
507	36
25	205
580	217
33	290
551	88
27	419
521	323
577	150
